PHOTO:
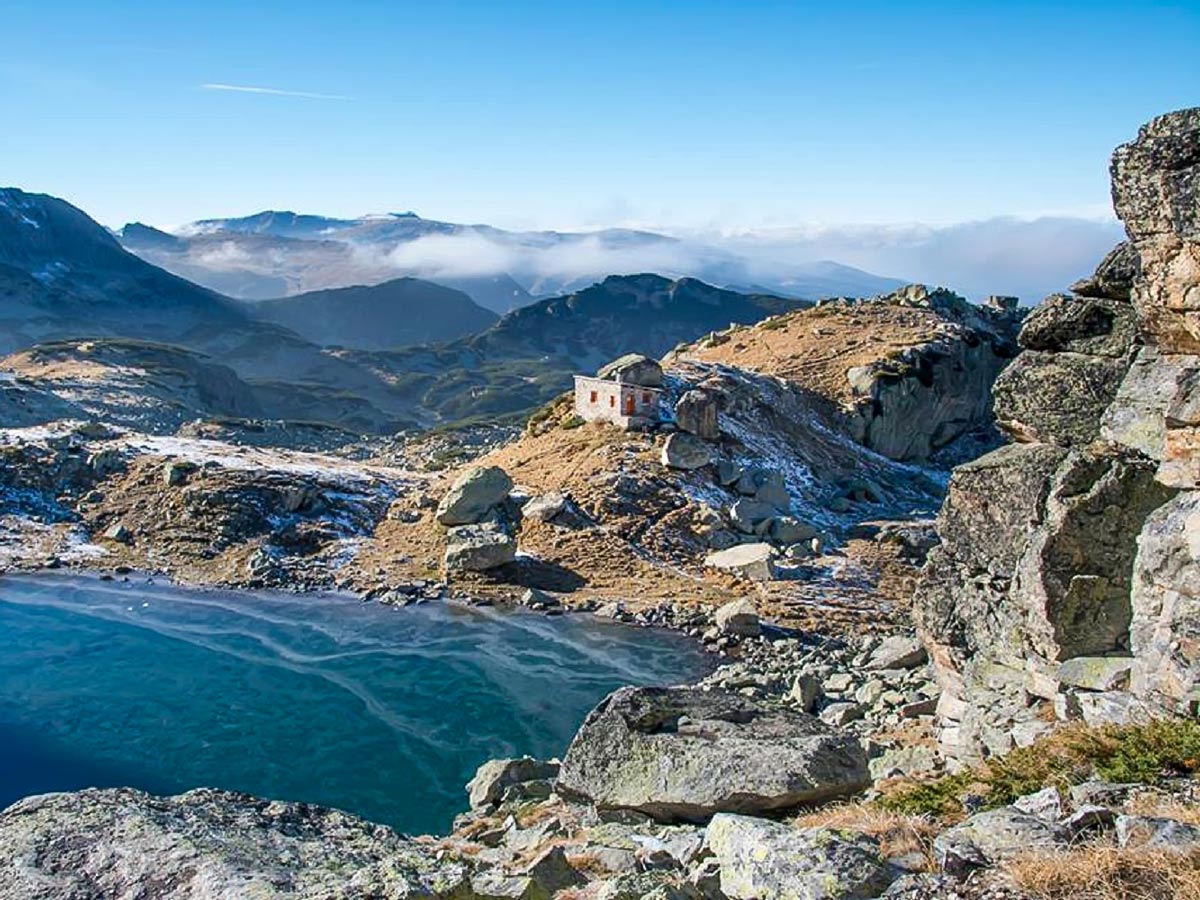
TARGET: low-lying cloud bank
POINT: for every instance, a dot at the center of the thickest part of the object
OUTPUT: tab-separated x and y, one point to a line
569	257
1027	258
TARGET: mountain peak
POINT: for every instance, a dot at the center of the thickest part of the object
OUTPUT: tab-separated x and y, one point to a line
140	235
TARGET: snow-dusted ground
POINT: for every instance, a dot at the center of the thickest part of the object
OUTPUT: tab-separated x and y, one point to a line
232	456
35	525
777	429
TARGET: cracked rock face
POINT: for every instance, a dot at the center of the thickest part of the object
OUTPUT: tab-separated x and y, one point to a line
1073	346
683	754
1071	544
930	394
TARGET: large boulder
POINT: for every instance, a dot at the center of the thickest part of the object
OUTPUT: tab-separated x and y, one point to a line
1026	392
738	618
790	530
769	488
763	859
696	413
683	754
473	495
476	548
747	514
685	451
633	368
121	843
755	562
898	651
556	508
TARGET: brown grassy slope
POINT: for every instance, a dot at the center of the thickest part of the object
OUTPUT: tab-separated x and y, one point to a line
815	347
638	555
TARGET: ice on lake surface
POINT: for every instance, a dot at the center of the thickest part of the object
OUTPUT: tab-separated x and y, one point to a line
380	711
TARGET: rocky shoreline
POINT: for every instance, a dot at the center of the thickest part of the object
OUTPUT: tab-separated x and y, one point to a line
534	828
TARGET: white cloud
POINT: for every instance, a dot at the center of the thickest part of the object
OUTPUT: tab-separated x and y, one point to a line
453	255
1028	258
566	260
224	257
276	92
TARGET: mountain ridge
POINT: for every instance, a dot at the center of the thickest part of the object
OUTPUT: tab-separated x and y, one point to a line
273	253
402	311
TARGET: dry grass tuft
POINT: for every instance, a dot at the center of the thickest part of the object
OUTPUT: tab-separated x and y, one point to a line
1163	807
530	815
898	834
589	864
1109	873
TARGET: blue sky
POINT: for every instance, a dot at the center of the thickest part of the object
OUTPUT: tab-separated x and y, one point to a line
685	115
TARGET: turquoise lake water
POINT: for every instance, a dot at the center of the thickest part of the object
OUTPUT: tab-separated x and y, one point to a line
380	711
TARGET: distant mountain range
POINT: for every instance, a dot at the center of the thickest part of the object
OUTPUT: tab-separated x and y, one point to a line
272	254
372	358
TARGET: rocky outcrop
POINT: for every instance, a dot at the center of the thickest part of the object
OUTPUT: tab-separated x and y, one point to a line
1073	346
212	844
682	754
910	405
738	618
1066	581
